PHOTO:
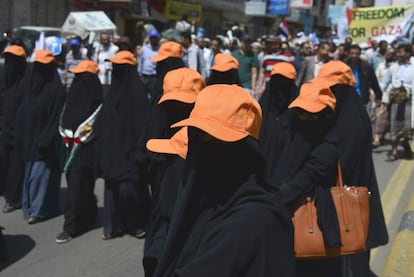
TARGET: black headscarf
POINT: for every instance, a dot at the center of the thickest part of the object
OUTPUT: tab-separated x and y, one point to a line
120	124
225	222
11	95
276	118
14	69
38	116
84	96
230	77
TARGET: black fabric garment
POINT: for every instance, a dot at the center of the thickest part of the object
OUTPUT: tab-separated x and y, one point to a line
356	156
119	127
125	209
120	124
353	129
165	173
81	207
230	77
167	176
308	164
38	116
226	222
14	69
12	167
84	96
310	157
276	118
161	129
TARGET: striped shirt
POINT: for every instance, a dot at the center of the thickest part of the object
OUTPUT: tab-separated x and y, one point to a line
269	60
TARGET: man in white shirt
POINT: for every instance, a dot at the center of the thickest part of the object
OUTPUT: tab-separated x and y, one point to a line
103	51
398	85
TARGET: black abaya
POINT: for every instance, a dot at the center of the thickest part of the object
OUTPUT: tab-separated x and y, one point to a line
84	97
226	222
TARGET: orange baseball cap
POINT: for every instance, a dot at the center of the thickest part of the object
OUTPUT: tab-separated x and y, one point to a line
44	56
15	50
85	66
314	96
225	62
285	69
123	57
177	144
182	85
337	72
168	49
226	112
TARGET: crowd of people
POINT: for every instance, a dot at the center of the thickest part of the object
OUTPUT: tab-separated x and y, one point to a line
203	145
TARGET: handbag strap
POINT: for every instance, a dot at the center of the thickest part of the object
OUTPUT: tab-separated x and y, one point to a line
340	185
339	179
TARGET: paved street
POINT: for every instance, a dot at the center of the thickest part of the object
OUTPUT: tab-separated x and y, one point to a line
33	251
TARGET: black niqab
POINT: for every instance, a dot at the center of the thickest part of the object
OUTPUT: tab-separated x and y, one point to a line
14	68
230	77
353	130
276	118
120	124
84	96
225	222
38	116
11	95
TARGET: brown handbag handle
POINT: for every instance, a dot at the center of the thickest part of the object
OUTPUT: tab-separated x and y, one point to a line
340	185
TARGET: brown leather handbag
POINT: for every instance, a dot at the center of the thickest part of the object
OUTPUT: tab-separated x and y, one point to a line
352	208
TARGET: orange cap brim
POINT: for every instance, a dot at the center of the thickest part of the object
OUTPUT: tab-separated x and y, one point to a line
307	105
213	128
178	96
177	145
158	58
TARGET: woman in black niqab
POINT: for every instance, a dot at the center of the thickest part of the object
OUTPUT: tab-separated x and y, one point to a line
84	97
276	118
167	169
225	214
38	137
358	169
225	222
356	158
119	127
12	167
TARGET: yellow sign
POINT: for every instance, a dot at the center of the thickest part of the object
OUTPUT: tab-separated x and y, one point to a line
174	10
380	23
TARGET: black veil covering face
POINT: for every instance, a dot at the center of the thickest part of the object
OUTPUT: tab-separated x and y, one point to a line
82	100
38	115
120	124
14	68
230	77
222	207
276	118
11	166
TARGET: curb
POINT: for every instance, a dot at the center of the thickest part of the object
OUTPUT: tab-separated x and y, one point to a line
400	260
